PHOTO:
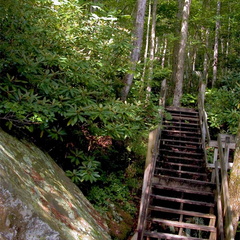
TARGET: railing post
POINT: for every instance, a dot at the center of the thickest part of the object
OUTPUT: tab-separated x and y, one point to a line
152	154
219	204
226	208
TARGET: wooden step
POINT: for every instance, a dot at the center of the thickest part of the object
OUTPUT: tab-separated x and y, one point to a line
169	236
183	200
186	180
184	118
177	123
161	169
186	115
173	132
188	156
192	147
174	140
204	192
175	165
181	152
182	109
183	225
182	128
182	212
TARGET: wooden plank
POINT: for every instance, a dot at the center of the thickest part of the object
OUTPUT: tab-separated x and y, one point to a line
191	140
185	128
183	225
183	165
169	236
190	181
181	123
182	189
219	204
181	132
215	144
184	117
181	200
182	152
164	157
183	212
181	109
181	171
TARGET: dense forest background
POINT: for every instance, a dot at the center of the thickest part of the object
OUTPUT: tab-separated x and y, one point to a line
63	70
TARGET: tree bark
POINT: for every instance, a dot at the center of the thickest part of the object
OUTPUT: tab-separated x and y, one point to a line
215	51
137	45
152	47
146	47
234	184
181	54
176	41
164	53
206	58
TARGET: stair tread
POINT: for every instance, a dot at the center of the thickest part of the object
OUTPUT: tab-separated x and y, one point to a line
183	200
169	236
182	152
184	225
193	181
183	212
167	124
185	117
181	171
181	132
190	147
177	123
194	160
183	189
182	165
182	141
181	109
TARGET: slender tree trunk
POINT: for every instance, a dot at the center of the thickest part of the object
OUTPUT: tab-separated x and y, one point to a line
234	184
152	47
164	53
206	58
181	54
176	41
215	51
146	47
137	45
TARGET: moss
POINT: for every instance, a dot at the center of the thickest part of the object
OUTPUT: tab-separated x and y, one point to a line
120	223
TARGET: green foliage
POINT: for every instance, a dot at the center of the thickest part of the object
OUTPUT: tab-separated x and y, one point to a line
61	70
112	190
86	171
189	100
222	106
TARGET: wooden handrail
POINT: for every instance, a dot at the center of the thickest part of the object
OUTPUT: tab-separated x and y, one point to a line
225	228
226	209
152	154
203	119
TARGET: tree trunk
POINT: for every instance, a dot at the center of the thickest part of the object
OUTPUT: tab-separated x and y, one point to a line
234	184
164	53
146	48
215	51
152	47
176	41
137	45
181	54
206	58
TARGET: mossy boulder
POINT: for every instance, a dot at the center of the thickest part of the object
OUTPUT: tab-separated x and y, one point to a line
38	201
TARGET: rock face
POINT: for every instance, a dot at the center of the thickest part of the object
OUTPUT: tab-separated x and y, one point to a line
37	200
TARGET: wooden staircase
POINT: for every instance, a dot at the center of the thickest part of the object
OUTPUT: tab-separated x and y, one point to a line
181	200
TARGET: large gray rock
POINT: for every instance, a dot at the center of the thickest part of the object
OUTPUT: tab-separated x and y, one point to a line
37	200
